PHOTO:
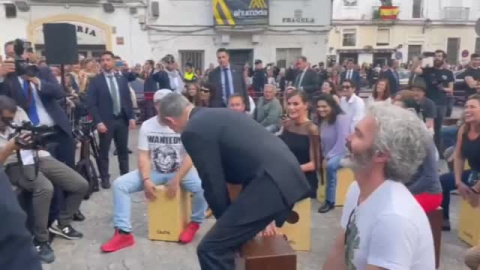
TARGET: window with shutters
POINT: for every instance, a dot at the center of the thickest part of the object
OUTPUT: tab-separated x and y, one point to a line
287	56
477	45
453	50
195	57
417	10
349	38
414	51
383	37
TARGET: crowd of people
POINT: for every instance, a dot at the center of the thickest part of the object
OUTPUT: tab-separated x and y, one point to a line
316	111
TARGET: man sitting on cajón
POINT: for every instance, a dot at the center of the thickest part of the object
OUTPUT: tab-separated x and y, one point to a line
162	159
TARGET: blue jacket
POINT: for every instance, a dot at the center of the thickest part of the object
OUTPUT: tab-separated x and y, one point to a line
51	94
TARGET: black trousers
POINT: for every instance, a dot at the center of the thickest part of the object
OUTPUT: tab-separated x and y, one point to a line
118	131
258	205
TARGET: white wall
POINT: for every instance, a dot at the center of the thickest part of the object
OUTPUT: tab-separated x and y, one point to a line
136	40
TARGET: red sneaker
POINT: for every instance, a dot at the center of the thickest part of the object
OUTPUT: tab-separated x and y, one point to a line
189	233
118	242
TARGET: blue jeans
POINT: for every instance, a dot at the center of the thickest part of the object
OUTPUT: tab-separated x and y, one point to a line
333	164
447	180
132	182
449	136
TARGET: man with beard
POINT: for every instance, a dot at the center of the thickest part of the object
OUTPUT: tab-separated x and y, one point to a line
383	226
439	82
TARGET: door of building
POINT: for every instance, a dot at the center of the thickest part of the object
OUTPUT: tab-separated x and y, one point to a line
240	57
347	57
453	50
381	59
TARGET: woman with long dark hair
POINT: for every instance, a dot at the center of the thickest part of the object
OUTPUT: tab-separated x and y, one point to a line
206	94
466	149
328	87
381	92
192	93
302	137
334	127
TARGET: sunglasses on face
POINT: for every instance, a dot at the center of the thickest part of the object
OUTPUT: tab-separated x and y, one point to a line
346	87
204	90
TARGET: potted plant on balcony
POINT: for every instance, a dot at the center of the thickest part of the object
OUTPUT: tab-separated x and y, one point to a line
388	11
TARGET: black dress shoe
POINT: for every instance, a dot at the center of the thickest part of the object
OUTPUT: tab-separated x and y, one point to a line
78	216
130	151
115	152
326	207
105	183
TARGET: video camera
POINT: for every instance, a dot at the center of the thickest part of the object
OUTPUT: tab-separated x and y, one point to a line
23	66
38	135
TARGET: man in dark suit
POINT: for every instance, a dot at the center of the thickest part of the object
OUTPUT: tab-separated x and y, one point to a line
110	104
306	78
391	75
259	78
351	74
219	141
227	79
154	80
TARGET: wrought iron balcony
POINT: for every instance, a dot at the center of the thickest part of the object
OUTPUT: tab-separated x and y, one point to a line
456	13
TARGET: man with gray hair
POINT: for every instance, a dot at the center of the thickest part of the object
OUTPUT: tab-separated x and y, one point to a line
269	110
219	141
383	226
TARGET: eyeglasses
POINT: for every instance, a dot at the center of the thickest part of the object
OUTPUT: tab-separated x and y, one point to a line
348	228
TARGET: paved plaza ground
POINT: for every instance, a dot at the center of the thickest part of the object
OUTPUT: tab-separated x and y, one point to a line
85	254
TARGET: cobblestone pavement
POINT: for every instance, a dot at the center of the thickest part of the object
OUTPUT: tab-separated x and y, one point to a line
148	255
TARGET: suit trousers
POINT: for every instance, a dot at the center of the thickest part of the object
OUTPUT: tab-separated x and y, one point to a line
257	206
118	131
51	172
64	151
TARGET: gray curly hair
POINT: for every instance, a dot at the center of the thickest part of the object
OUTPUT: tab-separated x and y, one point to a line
403	136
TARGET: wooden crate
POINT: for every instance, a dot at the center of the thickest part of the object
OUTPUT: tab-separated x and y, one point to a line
266	253
168	218
345	178
299	234
468	229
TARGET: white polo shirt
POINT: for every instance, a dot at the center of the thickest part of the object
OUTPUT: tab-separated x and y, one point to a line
354	108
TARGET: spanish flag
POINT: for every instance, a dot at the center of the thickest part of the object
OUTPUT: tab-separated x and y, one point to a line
222	13
389	13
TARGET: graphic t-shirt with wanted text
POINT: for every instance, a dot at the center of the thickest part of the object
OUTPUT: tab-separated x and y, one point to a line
165	146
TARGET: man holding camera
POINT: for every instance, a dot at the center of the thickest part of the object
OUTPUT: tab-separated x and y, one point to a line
36	171
439	81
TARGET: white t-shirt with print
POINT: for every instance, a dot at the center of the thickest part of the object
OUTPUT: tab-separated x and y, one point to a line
389	230
165	146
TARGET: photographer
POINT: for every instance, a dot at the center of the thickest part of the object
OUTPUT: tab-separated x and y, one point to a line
439	81
35	171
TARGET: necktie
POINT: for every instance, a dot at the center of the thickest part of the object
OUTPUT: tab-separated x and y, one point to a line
114	94
227	84
32	107
349	75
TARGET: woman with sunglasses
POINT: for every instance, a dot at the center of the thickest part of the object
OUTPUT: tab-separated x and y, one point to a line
207	92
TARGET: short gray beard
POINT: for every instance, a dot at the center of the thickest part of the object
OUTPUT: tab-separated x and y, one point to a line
357	162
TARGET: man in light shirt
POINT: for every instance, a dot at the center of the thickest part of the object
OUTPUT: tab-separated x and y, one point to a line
383	226
351	104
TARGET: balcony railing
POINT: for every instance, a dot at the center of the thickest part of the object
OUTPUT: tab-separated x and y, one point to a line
456	13
385	13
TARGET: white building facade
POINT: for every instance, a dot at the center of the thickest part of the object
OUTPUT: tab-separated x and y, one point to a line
138	30
359	33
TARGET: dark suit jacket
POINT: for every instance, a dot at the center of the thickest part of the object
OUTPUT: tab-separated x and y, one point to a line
16	244
309	82
393	82
100	103
156	81
50	93
219	141
215	78
356	78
